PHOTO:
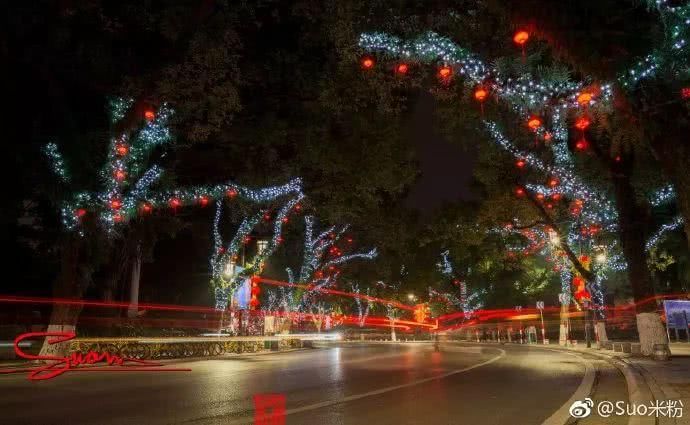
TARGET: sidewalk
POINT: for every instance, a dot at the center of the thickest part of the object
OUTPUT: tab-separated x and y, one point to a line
663	380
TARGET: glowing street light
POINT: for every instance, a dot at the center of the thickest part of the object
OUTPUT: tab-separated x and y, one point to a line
600	258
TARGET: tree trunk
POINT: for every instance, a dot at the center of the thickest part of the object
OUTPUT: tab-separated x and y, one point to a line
632	224
600	330
563	334
70	283
393	336
134	284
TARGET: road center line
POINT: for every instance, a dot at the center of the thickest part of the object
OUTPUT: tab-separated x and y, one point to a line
250	420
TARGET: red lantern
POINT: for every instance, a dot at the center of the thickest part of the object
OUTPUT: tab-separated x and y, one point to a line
267	217
203	200
402	68
582	144
534	122
540	196
231	193
285	220
582	123
445	72
279	240
121	149
367	62
480	94
175	203
520	163
584	98
521	37
115	203
618	158
519	192
298	207
120	175
685	92
247	239
146	208
556	196
81	212
149	115
553	182
349	240
547	137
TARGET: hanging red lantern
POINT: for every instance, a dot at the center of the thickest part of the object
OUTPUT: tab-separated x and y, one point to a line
582	144
556	196
231	193
174	203
584	98
519	192
120	175
445	72
81	212
549	205
520	163
618	158
285	219
540	196
298	207
279	240
480	94
534	122
146	208
267	217
149	115
367	62
521	37
247	239
115	203
685	92
402	68
547	137
582	123
121	149
553	182
203	200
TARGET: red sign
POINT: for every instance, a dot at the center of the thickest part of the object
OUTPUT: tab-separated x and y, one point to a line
269	409
72	362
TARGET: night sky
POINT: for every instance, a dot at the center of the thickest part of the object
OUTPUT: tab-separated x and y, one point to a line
446	168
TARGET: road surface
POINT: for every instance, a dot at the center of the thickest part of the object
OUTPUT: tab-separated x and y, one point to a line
350	384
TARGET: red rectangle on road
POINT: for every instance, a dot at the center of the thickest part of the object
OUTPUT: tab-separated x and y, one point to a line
269	409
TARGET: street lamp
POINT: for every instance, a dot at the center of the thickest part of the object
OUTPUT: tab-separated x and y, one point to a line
411	297
600	258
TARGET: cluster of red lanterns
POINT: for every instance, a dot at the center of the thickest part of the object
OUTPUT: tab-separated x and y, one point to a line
255	291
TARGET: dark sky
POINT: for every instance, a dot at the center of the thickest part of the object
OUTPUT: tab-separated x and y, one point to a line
446	168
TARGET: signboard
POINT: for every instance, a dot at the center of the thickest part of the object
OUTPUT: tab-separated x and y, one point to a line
540	305
677	313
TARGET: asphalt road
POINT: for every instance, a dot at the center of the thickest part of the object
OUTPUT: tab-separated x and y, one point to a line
371	384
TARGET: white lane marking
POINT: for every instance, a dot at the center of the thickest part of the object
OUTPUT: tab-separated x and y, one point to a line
250	420
562	415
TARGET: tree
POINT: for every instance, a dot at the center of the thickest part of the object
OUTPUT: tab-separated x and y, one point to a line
549	93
